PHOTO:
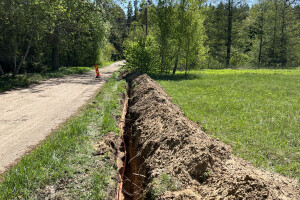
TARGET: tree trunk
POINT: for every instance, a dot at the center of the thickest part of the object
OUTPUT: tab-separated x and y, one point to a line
55	50
229	30
55	58
187	59
15	64
69	58
261	39
133	35
146	13
176	61
186	63
1	71
24	57
162	62
283	55
273	56
181	14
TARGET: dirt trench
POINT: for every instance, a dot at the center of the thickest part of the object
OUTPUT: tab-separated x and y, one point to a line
170	157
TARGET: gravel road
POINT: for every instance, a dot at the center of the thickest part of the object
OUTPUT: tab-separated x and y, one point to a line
28	116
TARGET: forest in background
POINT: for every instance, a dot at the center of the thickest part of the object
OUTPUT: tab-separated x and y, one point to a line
160	36
168	35
38	34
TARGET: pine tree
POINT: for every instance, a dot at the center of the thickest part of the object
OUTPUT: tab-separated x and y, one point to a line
135	4
129	14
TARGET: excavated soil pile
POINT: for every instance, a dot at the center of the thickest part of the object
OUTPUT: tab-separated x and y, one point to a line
171	158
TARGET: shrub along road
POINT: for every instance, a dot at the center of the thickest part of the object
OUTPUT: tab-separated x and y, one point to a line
29	115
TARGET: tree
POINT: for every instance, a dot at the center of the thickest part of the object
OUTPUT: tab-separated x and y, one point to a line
22	23
135	4
118	31
275	37
164	22
129	13
229	30
230	34
193	30
215	29
178	31
40	32
223	26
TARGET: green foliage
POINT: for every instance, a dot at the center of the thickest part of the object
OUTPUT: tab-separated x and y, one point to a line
165	19
142	55
239	60
118	32
39	33
256	111
278	30
265	35
175	37
215	24
67	153
216	27
129	13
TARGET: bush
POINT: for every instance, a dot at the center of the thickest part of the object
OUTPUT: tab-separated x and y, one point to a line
142	55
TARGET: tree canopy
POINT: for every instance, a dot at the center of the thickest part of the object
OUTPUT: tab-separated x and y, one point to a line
161	37
187	34
39	33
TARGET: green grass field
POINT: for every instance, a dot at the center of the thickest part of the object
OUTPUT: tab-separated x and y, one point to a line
255	111
66	156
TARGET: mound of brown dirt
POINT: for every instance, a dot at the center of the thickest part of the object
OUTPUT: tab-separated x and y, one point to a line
171	158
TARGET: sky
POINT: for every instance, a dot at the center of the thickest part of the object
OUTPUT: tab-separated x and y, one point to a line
124	4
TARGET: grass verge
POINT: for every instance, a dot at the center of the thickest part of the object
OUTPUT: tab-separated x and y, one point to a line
255	111
107	63
8	82
66	158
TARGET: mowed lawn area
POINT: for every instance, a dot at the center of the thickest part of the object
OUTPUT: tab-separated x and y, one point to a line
255	111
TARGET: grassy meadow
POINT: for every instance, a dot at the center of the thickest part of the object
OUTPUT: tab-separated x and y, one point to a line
255	111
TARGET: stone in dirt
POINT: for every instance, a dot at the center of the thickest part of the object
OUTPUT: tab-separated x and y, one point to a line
176	160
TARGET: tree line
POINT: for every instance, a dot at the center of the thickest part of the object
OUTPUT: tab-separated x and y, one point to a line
161	36
188	34
36	34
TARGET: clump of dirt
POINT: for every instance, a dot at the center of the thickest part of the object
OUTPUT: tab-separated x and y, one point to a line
164	143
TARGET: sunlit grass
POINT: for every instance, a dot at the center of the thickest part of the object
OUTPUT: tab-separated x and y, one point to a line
67	153
256	111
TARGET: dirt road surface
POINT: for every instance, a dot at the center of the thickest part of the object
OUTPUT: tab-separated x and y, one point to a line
28	116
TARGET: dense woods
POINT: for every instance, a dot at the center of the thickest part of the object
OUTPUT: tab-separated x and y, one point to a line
188	34
36	34
162	36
